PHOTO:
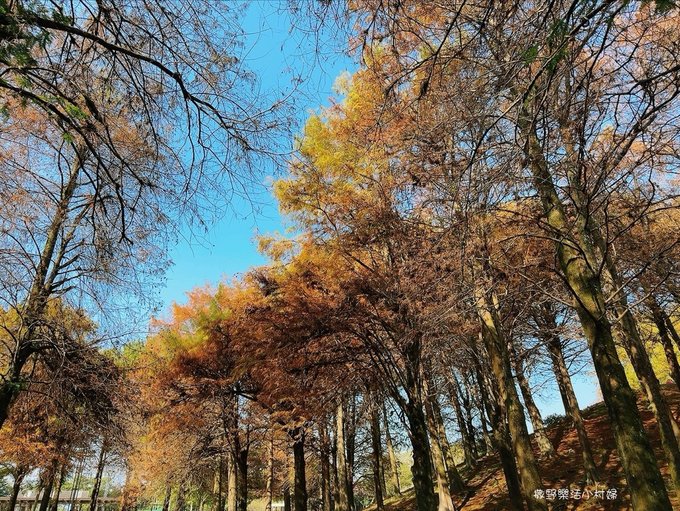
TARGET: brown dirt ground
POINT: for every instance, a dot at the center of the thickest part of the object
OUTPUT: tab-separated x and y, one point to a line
487	484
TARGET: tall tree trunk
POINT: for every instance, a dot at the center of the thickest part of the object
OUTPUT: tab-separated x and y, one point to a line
54	503
166	498
98	476
544	446
51	476
269	490
350	444
394	466
467	439
478	390
443	485
181	503
342	503
501	439
325	453
637	353
286	499
19	474
548	327
38	490
300	484
414	409
421	469
232	499
673	331
39	292
438	434
645	483
660	320
499	358
242	478
376	445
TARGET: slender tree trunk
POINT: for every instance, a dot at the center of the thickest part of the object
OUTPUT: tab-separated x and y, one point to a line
501	438
350	443
421	469
499	358
443	484
376	445
242	478
269	491
287	506
19	474
54	504
394	466
166	498
466	401
324	452
342	503
645	483
41	289
51	476
554	344
438	434
660	320
544	446
300	485
98	476
479	390
38	490
673	331
180	505
414	409
467	440
232	499
669	432
503	445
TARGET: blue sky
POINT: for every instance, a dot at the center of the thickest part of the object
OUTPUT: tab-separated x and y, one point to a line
272	53
229	248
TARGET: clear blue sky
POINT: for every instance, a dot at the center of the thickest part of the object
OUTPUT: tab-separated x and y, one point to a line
229	247
272	52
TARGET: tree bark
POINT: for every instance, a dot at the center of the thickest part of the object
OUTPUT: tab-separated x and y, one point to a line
98	476
414	409
51	476
242	477
673	331
40	291
467	440
438	434
342	503
166	498
501	439
269	490
232	499
547	327
300	481
544	446
19	474
325	453
499	359
660	320
646	485
287	506
350	442
376	445
421	469
394	466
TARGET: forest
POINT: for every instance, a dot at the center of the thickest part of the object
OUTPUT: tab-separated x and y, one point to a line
484	217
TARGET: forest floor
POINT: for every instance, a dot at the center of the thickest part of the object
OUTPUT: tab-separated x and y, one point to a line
564	472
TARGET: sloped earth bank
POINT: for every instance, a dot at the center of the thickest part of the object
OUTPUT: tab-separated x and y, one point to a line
564	472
